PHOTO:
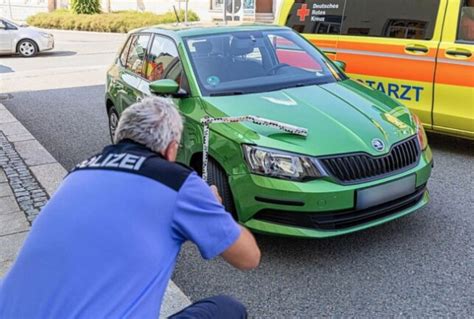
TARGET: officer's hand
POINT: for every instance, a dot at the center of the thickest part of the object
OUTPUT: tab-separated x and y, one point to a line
216	193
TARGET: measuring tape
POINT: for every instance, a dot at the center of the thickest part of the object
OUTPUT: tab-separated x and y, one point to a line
246	118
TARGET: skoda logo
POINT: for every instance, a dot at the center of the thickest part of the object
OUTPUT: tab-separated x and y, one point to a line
378	144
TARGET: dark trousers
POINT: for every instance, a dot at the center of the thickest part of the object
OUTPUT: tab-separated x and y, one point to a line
217	307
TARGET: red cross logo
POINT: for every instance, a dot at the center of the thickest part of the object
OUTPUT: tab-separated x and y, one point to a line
303	12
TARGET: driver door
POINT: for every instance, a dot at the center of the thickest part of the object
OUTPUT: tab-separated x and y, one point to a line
6	38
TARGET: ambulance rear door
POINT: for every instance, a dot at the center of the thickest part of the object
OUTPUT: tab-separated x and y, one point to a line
453	110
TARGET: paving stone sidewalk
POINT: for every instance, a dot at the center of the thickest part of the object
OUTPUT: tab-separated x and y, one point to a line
29	175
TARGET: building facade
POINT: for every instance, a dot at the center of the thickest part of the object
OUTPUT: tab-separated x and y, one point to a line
208	10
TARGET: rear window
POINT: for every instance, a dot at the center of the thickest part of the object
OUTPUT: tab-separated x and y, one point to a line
405	19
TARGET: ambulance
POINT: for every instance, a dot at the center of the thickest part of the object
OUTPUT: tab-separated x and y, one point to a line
418	52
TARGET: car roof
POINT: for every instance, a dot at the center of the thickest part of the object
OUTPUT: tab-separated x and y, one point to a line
197	29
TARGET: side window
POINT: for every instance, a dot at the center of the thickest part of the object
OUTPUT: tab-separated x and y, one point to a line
466	22
137	54
3	26
316	16
126	48
163	55
10	26
405	19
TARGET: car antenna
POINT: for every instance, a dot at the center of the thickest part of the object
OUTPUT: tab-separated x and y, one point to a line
176	14
206	121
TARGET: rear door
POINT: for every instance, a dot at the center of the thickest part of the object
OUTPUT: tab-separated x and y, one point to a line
391	45
453	110
5	37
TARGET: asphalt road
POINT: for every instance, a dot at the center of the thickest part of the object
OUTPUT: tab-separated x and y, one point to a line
417	266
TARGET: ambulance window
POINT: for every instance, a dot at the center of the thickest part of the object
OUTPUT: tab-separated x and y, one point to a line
466	22
316	16
406	19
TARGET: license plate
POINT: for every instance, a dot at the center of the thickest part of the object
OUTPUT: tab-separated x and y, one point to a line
384	193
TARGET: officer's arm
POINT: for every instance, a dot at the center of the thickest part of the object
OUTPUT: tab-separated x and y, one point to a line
244	254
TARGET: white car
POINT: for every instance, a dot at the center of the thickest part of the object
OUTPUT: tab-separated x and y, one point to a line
22	39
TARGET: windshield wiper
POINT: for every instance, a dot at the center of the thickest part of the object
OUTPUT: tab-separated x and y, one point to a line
224	93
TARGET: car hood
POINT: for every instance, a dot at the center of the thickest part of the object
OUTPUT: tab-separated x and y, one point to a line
341	117
32	30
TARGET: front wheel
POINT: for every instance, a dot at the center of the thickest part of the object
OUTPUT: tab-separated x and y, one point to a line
217	176
113	122
27	48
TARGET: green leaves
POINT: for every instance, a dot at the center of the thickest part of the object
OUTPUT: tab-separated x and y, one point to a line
85	6
120	21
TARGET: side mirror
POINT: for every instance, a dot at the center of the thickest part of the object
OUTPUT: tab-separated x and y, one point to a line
341	65
165	86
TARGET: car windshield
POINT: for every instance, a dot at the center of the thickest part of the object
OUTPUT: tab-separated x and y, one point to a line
257	61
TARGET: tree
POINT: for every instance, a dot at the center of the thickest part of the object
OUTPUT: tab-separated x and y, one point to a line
85	6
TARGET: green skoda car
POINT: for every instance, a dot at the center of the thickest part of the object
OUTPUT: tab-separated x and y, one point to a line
364	161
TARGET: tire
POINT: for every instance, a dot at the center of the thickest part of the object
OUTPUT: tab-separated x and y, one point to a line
27	48
113	116
218	177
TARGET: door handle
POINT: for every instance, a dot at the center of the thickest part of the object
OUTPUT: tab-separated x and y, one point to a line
416	49
459	53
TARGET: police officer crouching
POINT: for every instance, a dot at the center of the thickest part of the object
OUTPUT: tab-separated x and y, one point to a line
106	244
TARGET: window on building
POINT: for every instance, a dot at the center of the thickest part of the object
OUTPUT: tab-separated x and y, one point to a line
137	53
216	4
163	54
466	21
405	19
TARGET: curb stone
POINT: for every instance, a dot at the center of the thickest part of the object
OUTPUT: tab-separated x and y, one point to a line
29	176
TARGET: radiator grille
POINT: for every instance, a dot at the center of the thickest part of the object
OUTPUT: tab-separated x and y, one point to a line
355	168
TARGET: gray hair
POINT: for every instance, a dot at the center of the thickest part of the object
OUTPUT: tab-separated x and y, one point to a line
154	122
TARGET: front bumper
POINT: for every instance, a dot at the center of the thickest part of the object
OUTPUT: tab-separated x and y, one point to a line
45	43
321	208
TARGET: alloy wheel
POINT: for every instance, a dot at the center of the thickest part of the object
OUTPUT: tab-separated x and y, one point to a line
27	48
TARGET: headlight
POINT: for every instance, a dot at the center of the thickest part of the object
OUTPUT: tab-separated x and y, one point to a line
44	34
279	164
420	131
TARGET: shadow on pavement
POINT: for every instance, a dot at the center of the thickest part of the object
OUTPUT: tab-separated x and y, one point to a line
448	143
53	53
46	54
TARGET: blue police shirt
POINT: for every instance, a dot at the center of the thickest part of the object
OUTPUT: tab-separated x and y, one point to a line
106	243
